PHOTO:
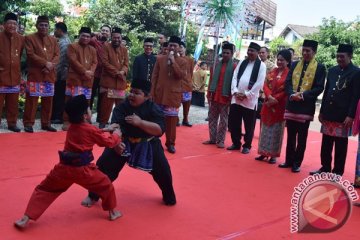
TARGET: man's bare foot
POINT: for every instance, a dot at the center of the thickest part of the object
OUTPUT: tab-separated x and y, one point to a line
87	202
114	214
22	223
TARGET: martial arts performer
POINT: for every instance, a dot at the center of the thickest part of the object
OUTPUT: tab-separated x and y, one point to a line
142	123
75	165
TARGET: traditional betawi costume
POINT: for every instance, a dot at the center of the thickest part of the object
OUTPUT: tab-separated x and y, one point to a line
75	165
42	57
338	106
143	149
11	48
305	81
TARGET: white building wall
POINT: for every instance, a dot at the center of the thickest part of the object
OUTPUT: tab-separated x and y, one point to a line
289	38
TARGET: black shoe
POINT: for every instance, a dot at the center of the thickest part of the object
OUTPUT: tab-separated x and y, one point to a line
169	201
284	165
272	161
57	121
207	119
260	158
171	149
186	124
14	129
49	129
315	172
102	125
208	142
29	129
233	147
245	150
295	169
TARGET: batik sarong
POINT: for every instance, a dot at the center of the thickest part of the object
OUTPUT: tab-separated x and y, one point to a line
271	139
40	89
114	93
170	111
8	89
186	96
78	90
334	129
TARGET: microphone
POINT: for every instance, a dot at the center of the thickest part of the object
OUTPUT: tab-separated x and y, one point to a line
171	53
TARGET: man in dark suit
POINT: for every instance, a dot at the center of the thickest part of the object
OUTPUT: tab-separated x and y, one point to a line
144	63
304	84
338	110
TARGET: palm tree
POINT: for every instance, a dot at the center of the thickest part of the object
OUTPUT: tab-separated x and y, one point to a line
227	14
220	13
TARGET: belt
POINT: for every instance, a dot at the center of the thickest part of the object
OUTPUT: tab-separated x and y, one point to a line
76	159
138	140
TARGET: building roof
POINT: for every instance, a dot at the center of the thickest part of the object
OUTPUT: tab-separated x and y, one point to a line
299	30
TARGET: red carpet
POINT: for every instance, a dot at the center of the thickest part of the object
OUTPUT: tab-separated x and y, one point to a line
221	194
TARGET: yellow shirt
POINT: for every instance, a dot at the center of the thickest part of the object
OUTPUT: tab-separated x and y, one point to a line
199	80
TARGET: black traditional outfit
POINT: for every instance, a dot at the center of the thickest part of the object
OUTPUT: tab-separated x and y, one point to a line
307	78
248	78
339	101
143	151
143	67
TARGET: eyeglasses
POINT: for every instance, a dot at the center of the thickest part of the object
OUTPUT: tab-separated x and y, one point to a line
149	46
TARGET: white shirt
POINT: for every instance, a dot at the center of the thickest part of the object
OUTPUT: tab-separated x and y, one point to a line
252	95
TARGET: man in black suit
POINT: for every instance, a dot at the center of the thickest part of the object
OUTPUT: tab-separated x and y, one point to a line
338	110
303	85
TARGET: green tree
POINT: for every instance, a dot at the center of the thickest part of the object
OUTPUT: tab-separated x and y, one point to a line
332	33
12	5
50	8
277	44
297	47
141	17
74	24
16	6
191	38
220	12
136	48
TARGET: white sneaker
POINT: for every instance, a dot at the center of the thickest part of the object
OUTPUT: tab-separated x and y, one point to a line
114	214
22	223
87	202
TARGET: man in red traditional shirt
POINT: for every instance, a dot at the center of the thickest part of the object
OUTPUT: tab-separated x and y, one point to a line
219	96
